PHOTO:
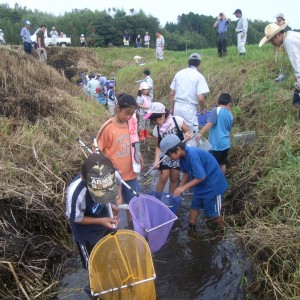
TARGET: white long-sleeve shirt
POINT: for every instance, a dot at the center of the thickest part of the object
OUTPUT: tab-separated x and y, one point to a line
291	44
242	25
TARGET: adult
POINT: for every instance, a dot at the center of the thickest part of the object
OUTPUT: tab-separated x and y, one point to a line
126	38
91	86
41	47
241	29
188	92
53	35
82	40
26	37
147	40
290	40
149	81
160	46
138	41
280	20
2	41
221	25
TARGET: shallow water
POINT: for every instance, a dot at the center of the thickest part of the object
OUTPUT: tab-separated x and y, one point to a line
211	265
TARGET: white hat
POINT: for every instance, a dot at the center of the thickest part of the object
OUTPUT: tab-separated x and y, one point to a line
280	15
0	29
53	28
196	56
144	86
270	31
155	108
82	35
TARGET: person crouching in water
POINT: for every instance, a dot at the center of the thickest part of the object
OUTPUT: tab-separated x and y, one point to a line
143	101
165	124
202	173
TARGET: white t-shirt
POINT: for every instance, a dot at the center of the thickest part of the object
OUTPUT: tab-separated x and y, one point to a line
171	129
188	84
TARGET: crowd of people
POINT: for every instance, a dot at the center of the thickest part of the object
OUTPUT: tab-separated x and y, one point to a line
177	155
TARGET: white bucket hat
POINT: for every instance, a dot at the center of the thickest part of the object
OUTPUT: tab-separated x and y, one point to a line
143	86
270	31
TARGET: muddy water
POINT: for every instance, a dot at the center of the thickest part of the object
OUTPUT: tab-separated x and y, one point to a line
211	265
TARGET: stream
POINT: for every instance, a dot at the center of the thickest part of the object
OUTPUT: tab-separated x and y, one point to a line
211	266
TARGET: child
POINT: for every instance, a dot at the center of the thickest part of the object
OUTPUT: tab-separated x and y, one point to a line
207	181
165	124
219	124
115	141
89	219
143	101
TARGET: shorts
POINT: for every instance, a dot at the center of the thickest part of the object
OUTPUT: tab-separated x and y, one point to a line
211	207
168	164
220	156
128	194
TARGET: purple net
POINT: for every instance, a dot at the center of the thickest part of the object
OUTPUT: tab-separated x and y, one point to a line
152	219
168	199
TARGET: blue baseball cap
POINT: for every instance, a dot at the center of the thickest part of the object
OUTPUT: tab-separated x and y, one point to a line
27	23
168	142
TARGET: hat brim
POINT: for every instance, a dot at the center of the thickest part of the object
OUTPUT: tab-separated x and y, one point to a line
267	39
148	115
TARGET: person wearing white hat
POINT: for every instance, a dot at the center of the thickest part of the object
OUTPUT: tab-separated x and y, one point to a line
143	101
2	41
147	40
82	40
290	40
280	20
188	92
54	35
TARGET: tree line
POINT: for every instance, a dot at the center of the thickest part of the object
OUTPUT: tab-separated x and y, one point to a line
105	28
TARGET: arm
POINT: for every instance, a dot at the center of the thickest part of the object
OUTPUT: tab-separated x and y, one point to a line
106	222
184	185
206	128
171	101
186	131
157	155
201	101
216	23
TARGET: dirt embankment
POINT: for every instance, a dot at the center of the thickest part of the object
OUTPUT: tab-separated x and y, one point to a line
41	115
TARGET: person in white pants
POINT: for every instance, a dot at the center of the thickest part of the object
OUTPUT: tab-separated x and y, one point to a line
241	29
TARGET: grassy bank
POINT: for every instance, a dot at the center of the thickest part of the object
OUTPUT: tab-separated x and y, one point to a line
42	113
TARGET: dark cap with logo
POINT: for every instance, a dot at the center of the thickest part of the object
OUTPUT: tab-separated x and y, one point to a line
99	174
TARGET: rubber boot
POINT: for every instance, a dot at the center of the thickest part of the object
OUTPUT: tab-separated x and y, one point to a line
147	135
142	135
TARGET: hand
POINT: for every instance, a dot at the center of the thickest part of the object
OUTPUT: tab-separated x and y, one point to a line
178	191
187	135
198	137
108	222
242	35
156	165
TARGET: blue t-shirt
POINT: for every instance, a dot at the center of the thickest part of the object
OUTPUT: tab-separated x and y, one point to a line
201	164
80	204
219	134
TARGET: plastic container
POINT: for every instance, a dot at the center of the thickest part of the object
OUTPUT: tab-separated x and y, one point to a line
244	138
202	118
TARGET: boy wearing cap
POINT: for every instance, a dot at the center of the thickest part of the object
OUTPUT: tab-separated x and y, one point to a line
202	173
86	200
290	40
241	29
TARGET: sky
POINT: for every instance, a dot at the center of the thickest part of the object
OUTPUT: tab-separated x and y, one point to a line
168	10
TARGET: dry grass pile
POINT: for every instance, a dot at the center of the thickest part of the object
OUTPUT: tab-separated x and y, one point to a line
41	115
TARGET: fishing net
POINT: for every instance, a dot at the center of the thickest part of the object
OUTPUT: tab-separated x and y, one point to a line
152	219
121	267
